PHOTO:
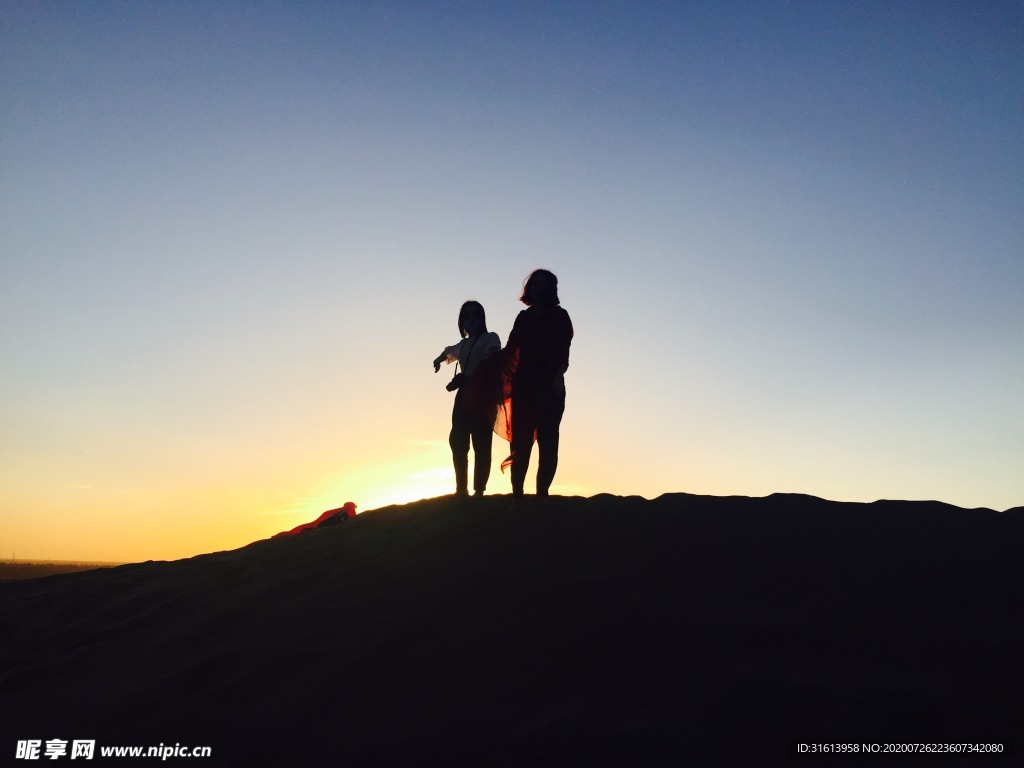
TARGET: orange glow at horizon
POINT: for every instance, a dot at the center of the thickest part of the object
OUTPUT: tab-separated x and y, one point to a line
101	522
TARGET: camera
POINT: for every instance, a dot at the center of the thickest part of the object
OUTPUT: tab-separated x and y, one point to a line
455	383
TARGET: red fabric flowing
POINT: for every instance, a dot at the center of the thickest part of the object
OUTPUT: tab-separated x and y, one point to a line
507	362
349	510
478	393
487	392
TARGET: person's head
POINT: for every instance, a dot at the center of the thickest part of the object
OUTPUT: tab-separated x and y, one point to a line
540	289
472	320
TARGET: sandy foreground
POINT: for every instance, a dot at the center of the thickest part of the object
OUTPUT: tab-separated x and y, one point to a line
610	630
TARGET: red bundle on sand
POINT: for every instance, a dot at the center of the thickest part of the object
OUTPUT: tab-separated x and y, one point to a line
330	517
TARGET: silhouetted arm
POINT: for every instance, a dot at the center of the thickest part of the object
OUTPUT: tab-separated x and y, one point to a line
565	334
493	344
449	355
515	337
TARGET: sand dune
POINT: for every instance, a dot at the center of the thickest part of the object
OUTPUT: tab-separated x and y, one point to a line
575	631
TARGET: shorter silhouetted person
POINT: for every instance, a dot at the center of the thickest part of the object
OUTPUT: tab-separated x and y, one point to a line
330	517
473	411
534	363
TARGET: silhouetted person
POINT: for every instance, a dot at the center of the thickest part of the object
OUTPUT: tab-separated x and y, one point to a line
537	353
473	412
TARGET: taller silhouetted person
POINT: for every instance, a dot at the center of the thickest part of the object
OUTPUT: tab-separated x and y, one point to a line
537	356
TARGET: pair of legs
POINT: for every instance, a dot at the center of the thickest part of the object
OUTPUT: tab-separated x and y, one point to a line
547	421
467	426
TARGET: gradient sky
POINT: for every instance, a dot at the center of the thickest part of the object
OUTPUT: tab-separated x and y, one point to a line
233	236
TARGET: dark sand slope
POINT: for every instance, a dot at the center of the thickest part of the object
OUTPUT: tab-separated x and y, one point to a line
606	630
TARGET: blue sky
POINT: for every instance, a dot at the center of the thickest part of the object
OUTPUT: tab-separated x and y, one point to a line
235	234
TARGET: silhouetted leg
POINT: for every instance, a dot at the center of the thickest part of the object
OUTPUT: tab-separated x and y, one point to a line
547	441
522	446
483	431
520	463
458	439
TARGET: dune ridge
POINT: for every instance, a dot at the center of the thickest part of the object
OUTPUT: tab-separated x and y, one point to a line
615	630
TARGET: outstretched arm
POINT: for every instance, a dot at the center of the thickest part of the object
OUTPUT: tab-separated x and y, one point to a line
449	355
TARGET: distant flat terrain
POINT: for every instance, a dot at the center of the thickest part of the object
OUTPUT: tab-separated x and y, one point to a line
16	570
